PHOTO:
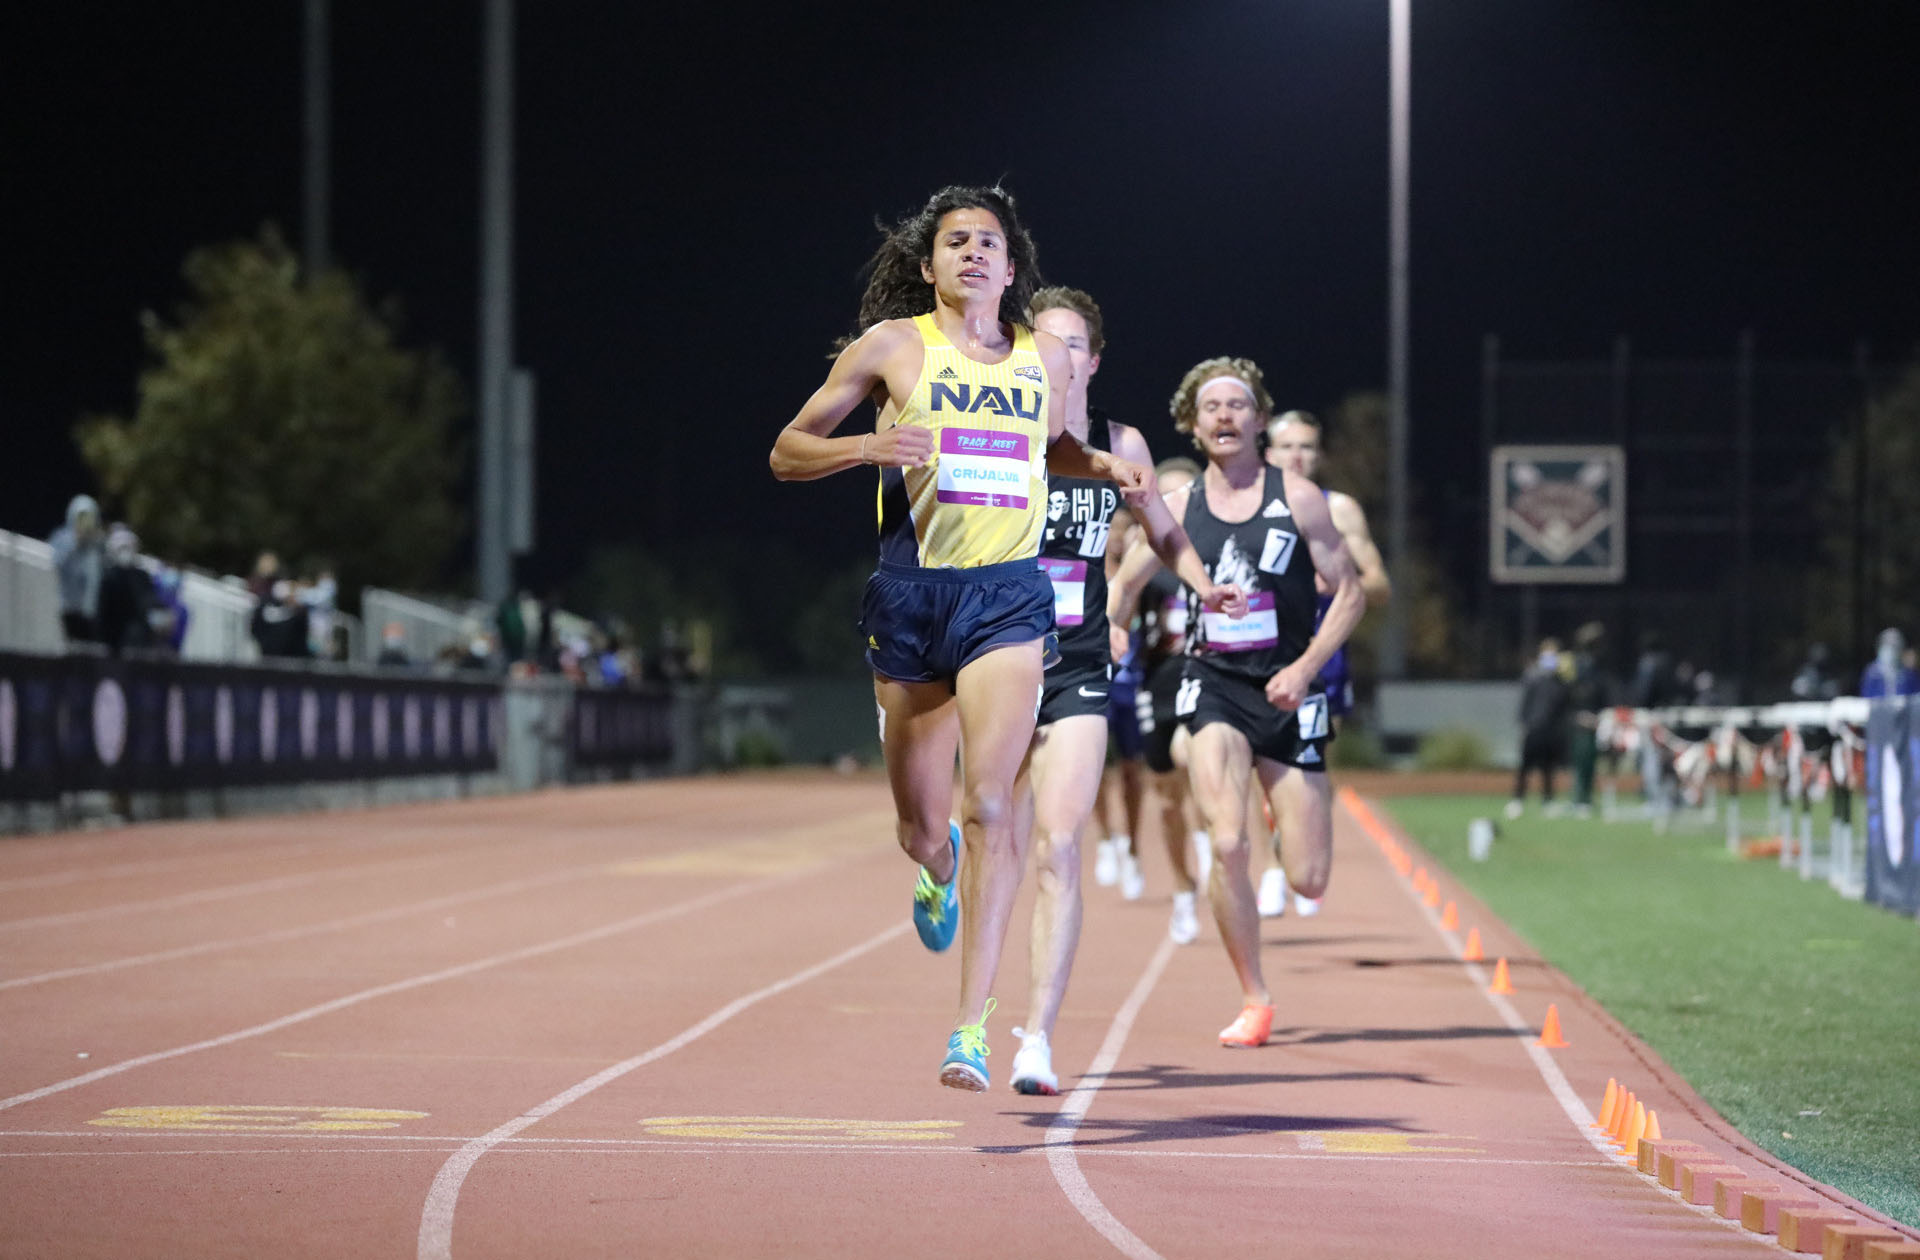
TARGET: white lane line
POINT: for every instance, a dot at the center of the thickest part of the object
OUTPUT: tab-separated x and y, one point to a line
402	986
331	925
1556	1080
75	875
1059	1144
224	892
436	1218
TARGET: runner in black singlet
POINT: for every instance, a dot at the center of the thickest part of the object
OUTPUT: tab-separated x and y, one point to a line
1249	692
1056	789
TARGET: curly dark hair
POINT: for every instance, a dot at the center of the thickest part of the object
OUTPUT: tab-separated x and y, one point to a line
895	287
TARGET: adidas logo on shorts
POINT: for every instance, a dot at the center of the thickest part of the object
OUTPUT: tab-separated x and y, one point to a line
1309	757
1276	508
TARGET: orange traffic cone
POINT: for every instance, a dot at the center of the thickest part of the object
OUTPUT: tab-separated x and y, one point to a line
1450	917
1653	1127
1636	1128
1550	1031
1432	898
1608	1101
1473	952
1419	879
1502	983
1622	1117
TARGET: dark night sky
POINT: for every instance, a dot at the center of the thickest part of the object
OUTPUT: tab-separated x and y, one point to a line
696	193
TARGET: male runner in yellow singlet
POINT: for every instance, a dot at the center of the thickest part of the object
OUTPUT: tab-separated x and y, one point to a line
972	418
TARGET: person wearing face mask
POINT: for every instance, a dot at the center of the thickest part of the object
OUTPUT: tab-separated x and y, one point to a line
1543	725
1888	674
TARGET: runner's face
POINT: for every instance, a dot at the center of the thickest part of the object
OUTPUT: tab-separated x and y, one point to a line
1225	419
1071	327
970	262
1295	447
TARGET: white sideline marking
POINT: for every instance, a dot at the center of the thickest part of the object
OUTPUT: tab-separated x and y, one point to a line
1550	1073
436	1218
402	986
1060	1152
288	934
223	892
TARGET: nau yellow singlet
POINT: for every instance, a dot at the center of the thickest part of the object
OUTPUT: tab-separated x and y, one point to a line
983	498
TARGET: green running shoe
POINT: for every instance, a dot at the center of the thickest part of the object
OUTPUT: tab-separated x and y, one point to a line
936	906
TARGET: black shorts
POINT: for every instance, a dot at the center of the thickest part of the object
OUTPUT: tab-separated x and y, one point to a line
926	624
1153	708
1074	688
1298	738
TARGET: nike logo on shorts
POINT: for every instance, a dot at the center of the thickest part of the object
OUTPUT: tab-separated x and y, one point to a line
1093	695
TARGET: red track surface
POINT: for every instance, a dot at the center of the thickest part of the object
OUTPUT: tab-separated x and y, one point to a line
690	1018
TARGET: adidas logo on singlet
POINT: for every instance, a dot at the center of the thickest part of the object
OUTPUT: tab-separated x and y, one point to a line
1276	508
946	374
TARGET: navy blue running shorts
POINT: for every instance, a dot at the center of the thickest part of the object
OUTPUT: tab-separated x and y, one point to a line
923	625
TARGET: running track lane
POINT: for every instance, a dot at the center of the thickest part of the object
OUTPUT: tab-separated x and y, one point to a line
1392	1104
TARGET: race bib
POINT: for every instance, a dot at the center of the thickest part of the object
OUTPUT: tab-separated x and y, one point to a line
1278	550
1260	628
1069	578
982	468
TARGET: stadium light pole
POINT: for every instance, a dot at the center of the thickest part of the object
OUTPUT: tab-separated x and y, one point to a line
1393	646
496	300
318	110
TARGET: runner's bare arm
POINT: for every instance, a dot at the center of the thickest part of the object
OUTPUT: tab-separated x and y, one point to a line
804	451
1123	591
1168	538
1288	688
1067	455
1351	520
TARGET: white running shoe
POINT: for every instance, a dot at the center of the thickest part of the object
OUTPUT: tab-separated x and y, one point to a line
1273	893
1132	882
1202	858
1516	807
1185	927
1106	865
1033	1065
1306	907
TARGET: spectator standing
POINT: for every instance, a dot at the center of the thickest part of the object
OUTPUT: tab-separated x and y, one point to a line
1590	692
1543	725
393	647
1889	674
266	571
280	624
321	596
1816	680
79	562
167	589
129	605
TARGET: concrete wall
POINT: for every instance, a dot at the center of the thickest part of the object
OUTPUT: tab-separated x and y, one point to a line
1405	711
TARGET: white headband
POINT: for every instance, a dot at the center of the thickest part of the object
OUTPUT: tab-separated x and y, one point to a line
1225	380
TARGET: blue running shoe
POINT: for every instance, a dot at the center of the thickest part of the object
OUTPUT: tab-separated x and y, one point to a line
936	906
965	1066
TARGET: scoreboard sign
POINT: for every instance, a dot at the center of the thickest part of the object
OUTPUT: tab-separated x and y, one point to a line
1559	514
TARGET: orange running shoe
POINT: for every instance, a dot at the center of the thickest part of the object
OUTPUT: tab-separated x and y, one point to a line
1250	1029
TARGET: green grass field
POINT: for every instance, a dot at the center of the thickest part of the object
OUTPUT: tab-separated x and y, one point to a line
1794	1012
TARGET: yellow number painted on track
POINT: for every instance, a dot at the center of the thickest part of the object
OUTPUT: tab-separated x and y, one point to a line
798	1129
1354	1142
252	1118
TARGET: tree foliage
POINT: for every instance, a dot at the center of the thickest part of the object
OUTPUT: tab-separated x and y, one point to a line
1870	505
279	413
